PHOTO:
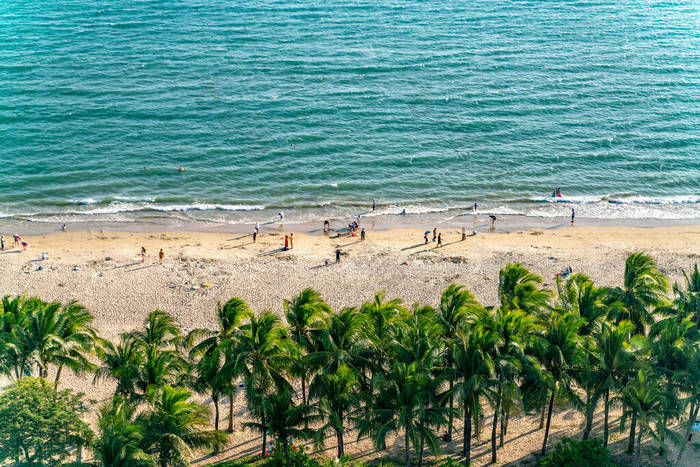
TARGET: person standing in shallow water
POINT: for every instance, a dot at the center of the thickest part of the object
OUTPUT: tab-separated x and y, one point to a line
374	205
573	214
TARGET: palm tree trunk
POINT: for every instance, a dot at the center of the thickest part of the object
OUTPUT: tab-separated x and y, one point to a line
549	421
215	399
639	448
58	377
420	453
544	411
230	411
495	425
341	444
449	425
286	452
303	388
467	434
630	444
503	428
589	418
605	422
264	436
691	419
408	449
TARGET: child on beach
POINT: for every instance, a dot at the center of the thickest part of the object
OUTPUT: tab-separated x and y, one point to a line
15	240
291	240
160	256
24	245
286	242
362	235
493	220
143	254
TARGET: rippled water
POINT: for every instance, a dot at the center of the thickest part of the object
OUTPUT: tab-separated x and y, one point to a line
318	107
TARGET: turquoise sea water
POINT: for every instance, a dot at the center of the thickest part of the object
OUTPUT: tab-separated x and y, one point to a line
317	107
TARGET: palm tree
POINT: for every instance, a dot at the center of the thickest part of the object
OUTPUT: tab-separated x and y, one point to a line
305	313
15	347
643	398
120	436
474	371
613	360
58	335
120	363
687	301
158	368
520	289
458	307
160	331
337	397
580	295
285	418
340	342
559	350
670	343
406	398
260	360
689	378
76	339
644	288
215	349
512	327
175	426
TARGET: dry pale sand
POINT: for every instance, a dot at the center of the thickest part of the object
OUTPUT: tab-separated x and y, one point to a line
120	290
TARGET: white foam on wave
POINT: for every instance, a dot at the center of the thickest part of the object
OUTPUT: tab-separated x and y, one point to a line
394	210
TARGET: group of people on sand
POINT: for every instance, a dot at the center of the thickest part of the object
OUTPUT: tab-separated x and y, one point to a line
16	240
161	255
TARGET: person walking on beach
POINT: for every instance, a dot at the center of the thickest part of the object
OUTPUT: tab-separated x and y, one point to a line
281	214
439	240
434	233
291	240
326	226
2	243
255	234
362	235
63	227
257	226
337	255
425	236
143	254
464	233
24	245
493	221
161	255
573	214
15	240
286	242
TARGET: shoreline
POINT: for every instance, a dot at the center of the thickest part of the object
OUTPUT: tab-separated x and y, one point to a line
505	223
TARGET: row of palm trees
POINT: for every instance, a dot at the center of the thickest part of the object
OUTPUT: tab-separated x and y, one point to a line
386	368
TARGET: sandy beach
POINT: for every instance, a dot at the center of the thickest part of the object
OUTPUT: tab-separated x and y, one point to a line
103	271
